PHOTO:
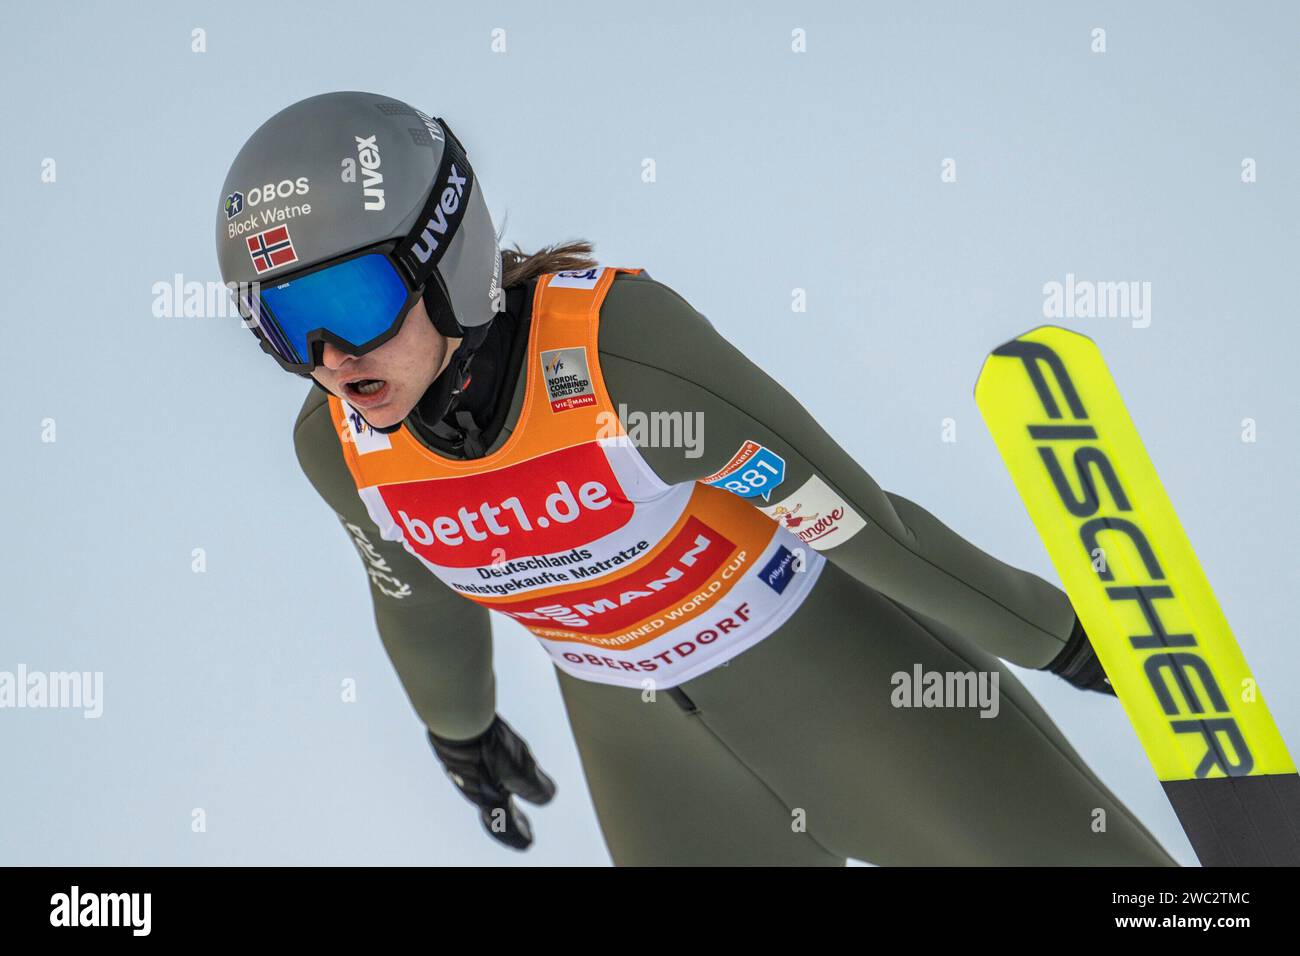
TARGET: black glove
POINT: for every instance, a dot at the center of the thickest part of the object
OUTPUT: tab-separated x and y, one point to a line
1078	663
488	769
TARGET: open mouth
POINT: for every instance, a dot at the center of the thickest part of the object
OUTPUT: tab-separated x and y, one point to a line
367	391
366	386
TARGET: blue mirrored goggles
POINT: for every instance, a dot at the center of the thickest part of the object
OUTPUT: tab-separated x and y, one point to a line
357	304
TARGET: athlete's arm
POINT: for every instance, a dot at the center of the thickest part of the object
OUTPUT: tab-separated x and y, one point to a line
439	642
657	353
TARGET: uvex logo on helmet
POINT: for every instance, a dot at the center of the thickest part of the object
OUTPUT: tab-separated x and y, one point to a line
447	206
368	157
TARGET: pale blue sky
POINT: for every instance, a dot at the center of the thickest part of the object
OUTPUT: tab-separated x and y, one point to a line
775	171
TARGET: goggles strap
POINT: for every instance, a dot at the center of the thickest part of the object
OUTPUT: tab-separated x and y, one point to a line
440	218
468	435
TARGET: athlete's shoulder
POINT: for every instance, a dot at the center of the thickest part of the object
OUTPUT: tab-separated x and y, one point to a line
313	417
320	455
647	321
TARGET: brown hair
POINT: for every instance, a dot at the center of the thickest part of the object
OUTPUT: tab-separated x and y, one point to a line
518	266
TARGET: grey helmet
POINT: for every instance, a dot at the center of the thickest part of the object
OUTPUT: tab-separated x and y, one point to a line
348	170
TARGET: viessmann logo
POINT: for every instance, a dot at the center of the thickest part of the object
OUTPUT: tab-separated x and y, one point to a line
518	511
685	566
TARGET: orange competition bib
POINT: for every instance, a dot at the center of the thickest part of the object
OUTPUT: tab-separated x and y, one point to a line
567	530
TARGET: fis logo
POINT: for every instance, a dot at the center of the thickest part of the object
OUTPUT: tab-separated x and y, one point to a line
234	204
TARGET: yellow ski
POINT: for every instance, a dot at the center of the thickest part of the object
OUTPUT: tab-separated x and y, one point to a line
1138	588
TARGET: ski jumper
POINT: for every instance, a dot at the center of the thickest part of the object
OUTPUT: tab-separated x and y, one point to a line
566	529
774	736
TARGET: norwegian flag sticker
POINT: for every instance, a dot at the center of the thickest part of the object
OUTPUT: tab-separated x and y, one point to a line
271	249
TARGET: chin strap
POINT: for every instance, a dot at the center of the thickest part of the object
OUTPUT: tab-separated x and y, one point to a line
468	436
